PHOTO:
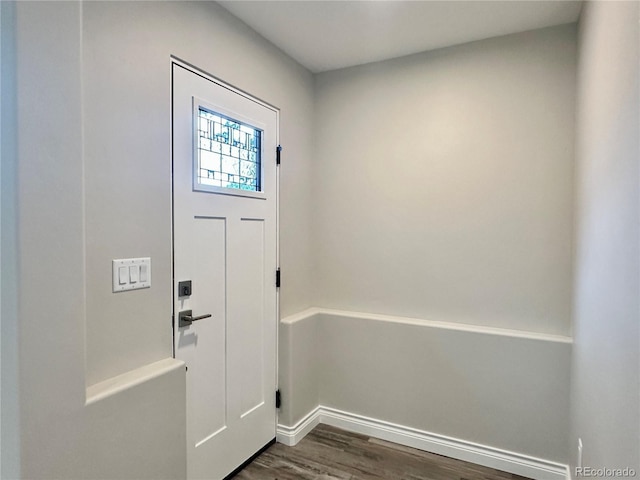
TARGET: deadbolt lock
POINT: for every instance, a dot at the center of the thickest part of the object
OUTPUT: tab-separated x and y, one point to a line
184	288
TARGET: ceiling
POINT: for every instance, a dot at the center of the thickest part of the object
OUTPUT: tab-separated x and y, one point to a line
327	35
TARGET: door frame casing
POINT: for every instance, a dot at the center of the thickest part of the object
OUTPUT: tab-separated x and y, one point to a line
198	71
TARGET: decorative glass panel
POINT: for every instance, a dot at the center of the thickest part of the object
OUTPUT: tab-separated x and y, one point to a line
228	152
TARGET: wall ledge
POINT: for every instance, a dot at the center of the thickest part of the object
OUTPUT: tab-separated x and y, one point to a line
303	315
512	462
310	312
130	379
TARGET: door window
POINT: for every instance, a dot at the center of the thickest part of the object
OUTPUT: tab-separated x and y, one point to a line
227	153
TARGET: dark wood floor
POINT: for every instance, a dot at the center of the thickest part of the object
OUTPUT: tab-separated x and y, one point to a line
328	453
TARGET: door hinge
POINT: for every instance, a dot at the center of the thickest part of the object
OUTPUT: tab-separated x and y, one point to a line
278	278
278	399
278	150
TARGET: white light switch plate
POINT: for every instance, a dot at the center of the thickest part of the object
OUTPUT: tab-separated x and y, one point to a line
138	274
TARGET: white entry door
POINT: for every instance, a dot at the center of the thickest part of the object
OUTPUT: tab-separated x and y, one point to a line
224	228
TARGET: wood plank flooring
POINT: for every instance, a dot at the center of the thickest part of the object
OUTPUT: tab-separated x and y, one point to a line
329	453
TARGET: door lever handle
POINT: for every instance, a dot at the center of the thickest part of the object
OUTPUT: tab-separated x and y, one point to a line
189	318
185	318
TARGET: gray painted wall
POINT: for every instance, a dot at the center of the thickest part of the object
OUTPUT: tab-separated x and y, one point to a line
9	413
443	184
496	390
127	46
443	190
138	433
50	221
300	360
605	363
505	392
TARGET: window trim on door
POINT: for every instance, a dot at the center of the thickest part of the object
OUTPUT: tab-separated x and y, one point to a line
196	103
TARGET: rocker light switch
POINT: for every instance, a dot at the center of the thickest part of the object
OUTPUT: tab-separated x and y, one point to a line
131	274
143	273
134	270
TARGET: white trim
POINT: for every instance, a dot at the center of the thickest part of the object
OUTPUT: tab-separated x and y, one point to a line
130	379
568	472
305	314
215	109
428	323
198	71
512	462
290	436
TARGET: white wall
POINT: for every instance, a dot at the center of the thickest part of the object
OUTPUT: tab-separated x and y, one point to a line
605	364
93	183
443	184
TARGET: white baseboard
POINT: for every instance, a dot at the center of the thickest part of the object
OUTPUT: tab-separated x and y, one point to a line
524	465
290	436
